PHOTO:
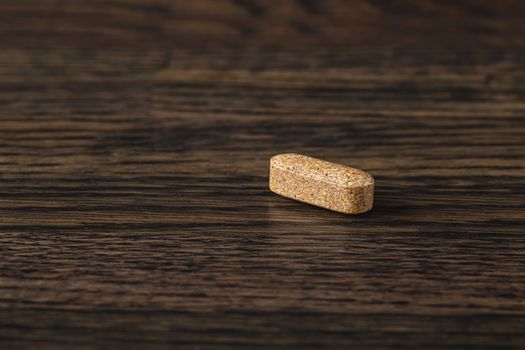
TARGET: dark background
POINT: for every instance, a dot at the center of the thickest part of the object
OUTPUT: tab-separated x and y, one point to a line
134	146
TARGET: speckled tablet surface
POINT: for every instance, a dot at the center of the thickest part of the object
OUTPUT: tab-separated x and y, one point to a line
321	183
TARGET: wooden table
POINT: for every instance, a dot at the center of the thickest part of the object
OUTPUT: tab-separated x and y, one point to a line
134	146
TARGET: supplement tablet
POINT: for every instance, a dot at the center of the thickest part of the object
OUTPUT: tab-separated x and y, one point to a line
324	184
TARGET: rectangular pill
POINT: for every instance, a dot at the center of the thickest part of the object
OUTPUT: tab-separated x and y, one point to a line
324	184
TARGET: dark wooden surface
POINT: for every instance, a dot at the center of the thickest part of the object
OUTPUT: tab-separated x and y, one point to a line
134	146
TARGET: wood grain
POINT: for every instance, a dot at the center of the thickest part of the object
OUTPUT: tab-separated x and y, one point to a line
260	23
134	201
